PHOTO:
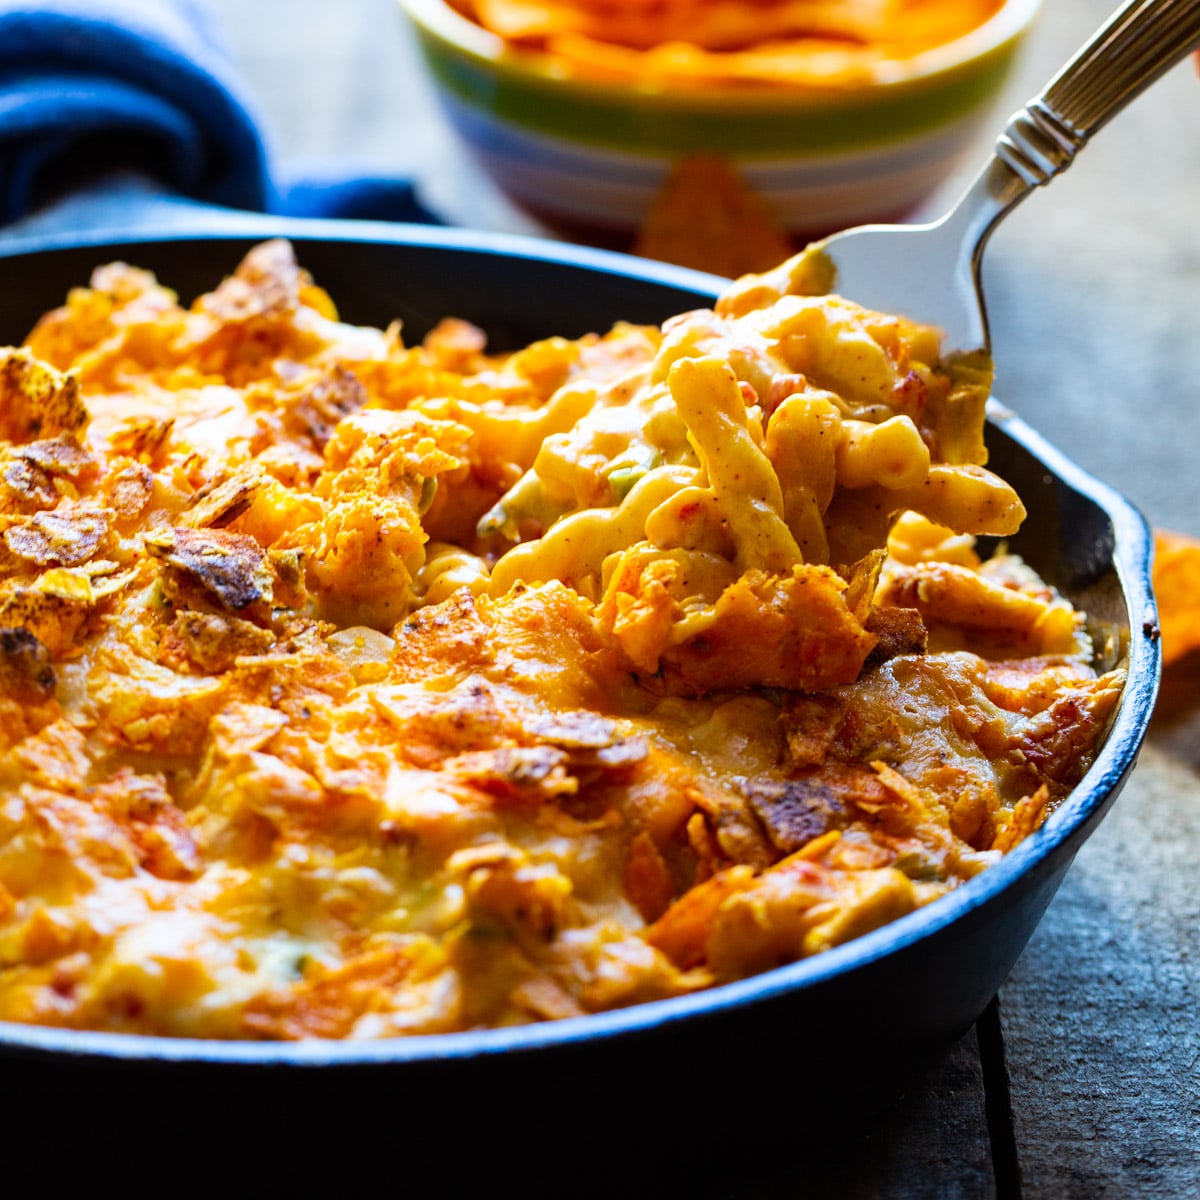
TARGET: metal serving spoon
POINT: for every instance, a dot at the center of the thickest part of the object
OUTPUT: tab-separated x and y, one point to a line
932	272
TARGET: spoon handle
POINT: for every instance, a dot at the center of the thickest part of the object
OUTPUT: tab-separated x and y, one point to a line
1141	42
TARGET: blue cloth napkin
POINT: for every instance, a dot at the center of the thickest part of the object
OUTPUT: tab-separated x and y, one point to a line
89	87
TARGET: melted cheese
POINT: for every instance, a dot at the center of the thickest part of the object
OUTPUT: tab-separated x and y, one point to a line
354	689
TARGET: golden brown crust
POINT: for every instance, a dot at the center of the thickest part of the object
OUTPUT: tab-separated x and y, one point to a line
281	758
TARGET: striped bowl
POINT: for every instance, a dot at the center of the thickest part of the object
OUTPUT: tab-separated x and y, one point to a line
595	154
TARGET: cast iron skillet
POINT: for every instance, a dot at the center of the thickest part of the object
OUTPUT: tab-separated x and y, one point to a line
756	1064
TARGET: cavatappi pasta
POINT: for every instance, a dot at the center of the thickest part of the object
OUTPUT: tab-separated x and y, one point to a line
353	688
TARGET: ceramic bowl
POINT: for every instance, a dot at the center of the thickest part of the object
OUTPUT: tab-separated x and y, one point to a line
590	153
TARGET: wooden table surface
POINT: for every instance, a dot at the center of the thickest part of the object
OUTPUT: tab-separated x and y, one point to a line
1082	1079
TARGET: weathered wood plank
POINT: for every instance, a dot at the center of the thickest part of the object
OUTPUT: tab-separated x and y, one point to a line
1102	1015
932	1144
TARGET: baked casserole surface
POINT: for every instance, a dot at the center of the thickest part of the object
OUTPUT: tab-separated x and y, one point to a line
353	688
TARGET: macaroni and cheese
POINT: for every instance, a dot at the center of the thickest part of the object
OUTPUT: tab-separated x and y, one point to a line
359	688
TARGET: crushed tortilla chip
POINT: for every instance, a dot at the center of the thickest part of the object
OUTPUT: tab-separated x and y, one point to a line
1177	587
698	43
705	217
